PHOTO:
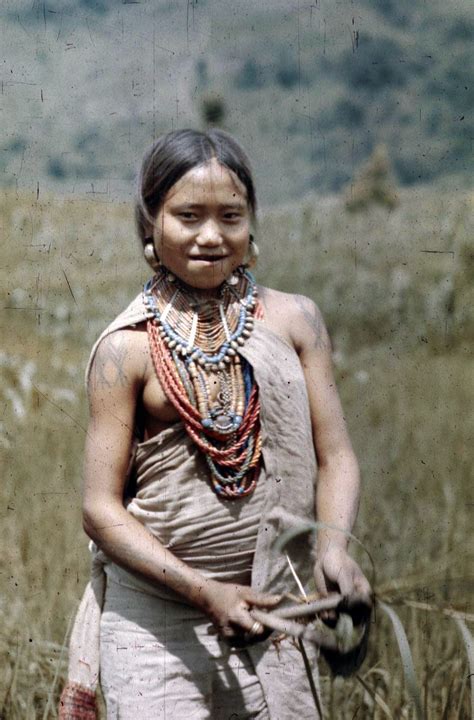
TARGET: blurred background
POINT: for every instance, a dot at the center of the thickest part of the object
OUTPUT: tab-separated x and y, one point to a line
310	88
357	117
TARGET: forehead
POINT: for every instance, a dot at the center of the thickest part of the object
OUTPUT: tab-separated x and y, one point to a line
208	183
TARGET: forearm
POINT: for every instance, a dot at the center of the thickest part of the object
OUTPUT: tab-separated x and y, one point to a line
129	544
337	499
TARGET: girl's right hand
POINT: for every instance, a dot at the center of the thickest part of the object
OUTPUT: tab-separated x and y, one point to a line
229	605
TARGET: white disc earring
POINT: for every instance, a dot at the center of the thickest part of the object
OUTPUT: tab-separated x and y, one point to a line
150	256
253	253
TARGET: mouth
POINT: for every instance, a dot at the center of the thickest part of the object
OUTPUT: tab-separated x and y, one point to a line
211	259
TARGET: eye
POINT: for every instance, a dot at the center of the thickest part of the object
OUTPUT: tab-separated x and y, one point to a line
188	215
232	215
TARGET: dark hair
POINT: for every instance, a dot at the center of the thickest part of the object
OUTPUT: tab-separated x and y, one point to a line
174	154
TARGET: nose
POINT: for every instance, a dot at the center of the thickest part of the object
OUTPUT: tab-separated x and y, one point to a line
209	234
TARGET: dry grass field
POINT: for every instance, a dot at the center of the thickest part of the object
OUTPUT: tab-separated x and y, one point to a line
396	290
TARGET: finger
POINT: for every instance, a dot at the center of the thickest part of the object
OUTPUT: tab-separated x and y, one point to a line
362	587
261	599
360	606
320	581
226	632
328	616
345	580
244	621
354	585
256	629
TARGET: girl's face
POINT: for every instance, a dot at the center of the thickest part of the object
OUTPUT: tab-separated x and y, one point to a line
201	233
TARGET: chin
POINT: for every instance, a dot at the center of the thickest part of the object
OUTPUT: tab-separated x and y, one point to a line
206	284
210	280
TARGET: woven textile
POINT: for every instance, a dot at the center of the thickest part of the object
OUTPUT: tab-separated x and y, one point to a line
289	469
77	703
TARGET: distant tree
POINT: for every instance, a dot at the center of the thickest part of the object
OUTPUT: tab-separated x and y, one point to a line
461	29
374	184
348	113
98	6
287	71
250	77
202	74
57	168
453	82
377	63
395	11
89	140
213	110
16	145
413	168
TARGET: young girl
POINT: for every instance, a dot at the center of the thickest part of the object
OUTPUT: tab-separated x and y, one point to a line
222	393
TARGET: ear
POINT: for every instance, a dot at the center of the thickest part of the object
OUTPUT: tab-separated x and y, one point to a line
149	230
150	254
252	253
152	224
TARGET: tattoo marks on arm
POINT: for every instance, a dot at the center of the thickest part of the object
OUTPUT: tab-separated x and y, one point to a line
314	322
108	367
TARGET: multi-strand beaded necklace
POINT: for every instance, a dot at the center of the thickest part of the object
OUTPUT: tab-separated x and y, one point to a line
194	344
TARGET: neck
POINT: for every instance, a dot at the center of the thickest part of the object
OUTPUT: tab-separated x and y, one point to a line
202	293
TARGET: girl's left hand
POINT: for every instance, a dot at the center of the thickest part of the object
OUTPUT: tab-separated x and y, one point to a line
336	571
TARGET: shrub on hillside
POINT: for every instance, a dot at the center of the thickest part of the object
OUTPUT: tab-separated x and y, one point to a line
374	184
377	63
288	72
348	113
461	29
395	11
202	74
250	76
213	110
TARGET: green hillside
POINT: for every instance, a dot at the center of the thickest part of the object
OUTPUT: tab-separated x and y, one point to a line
310	88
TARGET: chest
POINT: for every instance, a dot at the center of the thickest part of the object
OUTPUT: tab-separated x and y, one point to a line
219	395
156	404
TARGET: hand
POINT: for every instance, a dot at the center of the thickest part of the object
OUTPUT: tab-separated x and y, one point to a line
336	571
229	605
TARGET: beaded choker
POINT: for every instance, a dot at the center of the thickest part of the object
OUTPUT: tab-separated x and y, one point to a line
194	344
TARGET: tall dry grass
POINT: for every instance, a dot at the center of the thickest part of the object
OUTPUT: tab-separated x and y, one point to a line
396	290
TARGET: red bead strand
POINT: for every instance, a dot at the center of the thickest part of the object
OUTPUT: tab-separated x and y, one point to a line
227	450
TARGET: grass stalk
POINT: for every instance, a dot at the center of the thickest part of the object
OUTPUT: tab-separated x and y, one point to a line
406	657
52	689
461	697
312	684
449	700
377	699
469	645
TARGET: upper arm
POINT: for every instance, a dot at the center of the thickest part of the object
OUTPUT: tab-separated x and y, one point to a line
312	342
114	383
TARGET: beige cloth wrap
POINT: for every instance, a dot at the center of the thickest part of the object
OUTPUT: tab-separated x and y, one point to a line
216	536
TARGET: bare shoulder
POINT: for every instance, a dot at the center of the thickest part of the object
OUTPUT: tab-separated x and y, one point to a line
297	318
121	360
